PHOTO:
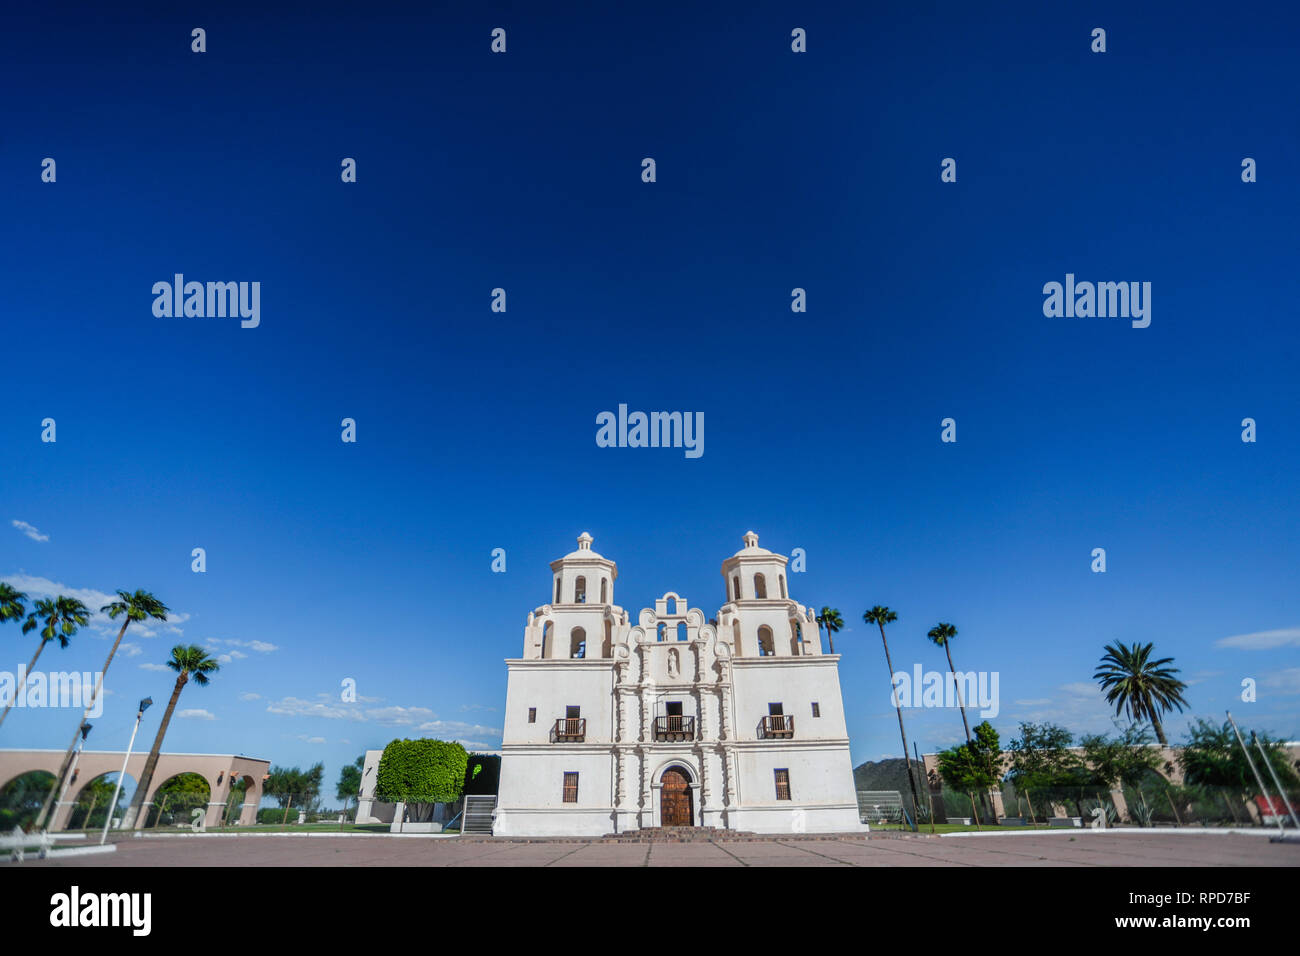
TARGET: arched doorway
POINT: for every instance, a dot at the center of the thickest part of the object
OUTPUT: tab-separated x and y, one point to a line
676	803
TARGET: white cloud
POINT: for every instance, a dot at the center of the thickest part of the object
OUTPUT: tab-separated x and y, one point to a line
30	531
399	716
197	713
154	667
455	728
250	696
130	650
262	647
1284	681
39	587
1263	640
311	740
297	707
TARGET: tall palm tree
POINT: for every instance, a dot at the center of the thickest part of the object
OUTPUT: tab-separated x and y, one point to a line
63	616
189	661
830	619
1144	688
942	634
880	616
139	606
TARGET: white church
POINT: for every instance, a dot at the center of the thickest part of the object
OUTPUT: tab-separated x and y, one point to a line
673	719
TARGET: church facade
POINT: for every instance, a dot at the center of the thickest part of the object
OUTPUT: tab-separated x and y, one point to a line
673	719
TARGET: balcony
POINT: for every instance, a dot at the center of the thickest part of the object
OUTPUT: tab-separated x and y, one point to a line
569	730
776	727
675	727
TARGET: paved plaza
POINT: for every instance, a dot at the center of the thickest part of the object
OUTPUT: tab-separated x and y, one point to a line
1086	849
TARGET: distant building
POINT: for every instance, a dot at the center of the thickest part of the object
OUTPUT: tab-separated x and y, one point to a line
674	719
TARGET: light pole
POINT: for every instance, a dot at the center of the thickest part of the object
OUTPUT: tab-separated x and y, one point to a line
72	771
144	705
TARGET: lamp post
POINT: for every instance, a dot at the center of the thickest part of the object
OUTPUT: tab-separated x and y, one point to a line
72	770
117	789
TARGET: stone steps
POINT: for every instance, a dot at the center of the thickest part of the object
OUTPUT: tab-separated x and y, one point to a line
681	835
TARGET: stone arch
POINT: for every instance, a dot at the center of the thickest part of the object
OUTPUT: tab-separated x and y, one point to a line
578	643
735	635
760	585
766	645
167	807
93	798
21	797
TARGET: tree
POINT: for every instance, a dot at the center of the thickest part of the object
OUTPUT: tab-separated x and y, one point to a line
11	603
349	786
189	661
942	634
421	773
139	606
287	784
880	616
63	616
1123	761
1042	764
830	619
1213	758
1135	684
975	765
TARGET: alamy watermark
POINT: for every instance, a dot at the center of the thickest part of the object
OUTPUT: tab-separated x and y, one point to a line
939	689
1105	300
212	300
653	430
53	689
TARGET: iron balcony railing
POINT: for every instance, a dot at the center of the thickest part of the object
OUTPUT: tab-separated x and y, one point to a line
776	726
674	727
569	730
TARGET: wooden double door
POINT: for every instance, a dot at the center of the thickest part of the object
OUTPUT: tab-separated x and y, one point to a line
676	802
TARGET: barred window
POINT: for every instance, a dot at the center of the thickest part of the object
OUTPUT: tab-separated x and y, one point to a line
570	787
782	784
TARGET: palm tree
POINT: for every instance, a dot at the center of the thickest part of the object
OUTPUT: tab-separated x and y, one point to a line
1144	688
188	661
881	616
139	606
63	616
942	634
830	619
11	603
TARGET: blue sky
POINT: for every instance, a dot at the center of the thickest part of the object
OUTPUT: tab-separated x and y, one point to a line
476	429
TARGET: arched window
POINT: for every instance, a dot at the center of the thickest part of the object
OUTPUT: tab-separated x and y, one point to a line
766	646
679	631
580	590
578	643
557	589
735	588
604	591
783	594
607	645
659	631
796	635
735	638
547	630
760	586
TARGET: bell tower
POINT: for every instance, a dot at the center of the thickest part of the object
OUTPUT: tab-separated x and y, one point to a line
579	621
